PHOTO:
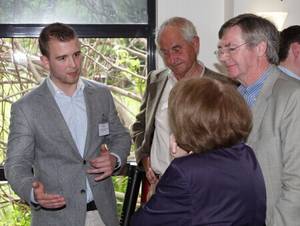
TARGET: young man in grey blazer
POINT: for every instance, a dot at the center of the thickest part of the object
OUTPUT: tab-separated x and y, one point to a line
248	48
56	159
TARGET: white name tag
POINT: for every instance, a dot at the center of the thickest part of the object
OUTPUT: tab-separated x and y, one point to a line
103	129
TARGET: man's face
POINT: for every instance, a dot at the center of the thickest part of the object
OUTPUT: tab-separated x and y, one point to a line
237	56
64	62
178	54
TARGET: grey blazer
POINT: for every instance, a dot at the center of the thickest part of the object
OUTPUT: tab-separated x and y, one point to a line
275	138
143	127
40	139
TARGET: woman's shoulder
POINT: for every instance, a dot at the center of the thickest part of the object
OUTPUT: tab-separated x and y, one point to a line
217	158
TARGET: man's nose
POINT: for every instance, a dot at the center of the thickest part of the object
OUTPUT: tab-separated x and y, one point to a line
72	62
172	58
222	57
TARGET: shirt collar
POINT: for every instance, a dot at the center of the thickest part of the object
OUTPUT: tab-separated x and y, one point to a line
251	92
55	90
258	83
288	72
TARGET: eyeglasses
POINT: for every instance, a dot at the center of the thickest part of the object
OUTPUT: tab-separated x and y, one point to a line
228	50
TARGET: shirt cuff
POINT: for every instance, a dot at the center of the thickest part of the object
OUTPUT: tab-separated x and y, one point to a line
118	164
32	199
33	202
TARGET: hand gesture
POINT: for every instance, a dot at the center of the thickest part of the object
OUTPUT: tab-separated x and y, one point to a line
45	200
103	165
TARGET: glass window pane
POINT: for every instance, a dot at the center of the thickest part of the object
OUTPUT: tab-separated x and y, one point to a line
73	11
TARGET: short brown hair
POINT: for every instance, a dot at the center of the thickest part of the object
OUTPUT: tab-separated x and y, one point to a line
205	114
287	37
58	31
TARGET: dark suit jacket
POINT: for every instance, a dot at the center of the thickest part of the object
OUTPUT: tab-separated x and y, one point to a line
143	127
223	187
39	138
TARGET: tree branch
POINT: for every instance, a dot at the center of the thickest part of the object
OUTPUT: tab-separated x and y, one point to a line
115	65
124	93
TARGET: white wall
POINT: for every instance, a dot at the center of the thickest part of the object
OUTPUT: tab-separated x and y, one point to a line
253	6
208	16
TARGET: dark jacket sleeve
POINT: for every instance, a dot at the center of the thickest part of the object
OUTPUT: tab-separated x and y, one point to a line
170	205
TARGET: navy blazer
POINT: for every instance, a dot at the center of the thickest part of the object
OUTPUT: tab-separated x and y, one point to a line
218	188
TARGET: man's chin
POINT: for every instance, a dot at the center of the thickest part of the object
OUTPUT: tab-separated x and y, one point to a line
232	75
72	79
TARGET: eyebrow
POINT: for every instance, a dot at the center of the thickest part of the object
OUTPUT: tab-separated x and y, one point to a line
79	51
62	56
226	46
65	55
173	47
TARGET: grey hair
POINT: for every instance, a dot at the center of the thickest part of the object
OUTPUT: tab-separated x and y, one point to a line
186	27
256	29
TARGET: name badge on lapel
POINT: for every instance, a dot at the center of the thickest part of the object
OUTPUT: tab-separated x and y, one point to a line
103	129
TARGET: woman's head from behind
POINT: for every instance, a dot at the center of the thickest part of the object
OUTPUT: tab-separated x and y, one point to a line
205	114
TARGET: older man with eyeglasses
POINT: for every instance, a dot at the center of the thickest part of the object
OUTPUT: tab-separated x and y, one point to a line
248	49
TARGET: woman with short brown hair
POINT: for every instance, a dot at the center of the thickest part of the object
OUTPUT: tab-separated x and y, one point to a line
219	118
220	182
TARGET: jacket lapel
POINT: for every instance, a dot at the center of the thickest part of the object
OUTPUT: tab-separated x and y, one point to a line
96	113
156	88
91	120
261	104
54	114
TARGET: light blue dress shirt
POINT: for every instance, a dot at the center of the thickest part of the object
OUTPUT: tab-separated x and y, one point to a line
251	92
73	109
